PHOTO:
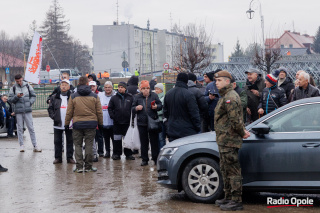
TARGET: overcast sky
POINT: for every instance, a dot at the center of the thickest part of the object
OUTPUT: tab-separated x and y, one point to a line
226	19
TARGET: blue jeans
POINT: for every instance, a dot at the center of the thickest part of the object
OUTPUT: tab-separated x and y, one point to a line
162	136
10	125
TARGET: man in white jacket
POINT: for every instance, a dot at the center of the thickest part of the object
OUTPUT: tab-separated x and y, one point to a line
107	121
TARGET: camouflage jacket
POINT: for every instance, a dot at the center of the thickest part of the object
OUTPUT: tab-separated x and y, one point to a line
228	119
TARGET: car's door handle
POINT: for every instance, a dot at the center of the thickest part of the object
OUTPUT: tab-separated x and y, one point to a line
310	145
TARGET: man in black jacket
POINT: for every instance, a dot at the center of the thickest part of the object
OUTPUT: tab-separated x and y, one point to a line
120	111
285	82
132	87
201	101
93	77
64	76
57	112
305	89
153	82
254	86
181	110
272	96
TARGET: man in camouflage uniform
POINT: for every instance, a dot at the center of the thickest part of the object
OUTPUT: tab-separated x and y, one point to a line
230	130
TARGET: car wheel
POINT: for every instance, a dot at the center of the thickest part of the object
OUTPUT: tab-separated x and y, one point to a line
202	180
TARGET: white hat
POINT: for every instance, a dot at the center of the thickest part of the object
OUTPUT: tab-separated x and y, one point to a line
66	81
92	83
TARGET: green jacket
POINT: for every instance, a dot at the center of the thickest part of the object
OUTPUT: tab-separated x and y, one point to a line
228	119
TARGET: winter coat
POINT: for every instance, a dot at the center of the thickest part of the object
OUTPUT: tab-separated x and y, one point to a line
253	100
85	108
272	98
57	89
152	84
228	117
160	113
120	108
212	88
23	104
244	100
139	99
201	101
201	87
300	93
182	111
54	108
105	100
132	87
287	86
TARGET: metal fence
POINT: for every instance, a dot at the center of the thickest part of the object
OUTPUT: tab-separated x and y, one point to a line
41	100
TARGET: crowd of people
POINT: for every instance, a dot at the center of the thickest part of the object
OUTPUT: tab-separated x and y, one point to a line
92	116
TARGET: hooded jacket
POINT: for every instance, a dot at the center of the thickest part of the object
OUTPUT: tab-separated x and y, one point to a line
182	111
212	88
287	86
142	117
201	101
94	77
23	104
120	108
85	108
132	87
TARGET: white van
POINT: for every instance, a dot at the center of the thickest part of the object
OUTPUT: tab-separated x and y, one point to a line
55	75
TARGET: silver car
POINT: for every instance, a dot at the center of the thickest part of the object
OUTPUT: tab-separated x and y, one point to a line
281	155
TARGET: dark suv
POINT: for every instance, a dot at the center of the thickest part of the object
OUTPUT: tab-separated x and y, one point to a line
281	155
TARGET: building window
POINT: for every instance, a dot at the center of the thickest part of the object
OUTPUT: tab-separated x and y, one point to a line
282	46
290	45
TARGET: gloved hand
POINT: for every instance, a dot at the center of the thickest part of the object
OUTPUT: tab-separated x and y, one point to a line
100	127
66	127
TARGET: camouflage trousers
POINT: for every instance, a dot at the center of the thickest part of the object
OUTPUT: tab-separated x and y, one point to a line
86	135
231	173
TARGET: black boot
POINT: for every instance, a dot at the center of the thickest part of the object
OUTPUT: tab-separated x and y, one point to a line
222	202
232	206
2	169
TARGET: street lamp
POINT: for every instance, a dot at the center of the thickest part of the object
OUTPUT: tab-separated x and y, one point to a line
250	14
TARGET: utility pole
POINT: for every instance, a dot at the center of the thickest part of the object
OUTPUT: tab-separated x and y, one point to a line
117	12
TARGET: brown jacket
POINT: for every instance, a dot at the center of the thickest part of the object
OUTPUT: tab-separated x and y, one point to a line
85	108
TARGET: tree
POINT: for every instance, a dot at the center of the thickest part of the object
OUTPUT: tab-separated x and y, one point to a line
28	38
55	35
267	61
316	43
238	52
194	52
251	50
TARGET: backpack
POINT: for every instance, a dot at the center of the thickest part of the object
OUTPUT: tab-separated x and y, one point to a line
14	89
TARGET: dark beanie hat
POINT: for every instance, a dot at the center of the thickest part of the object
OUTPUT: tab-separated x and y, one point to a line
183	77
122	84
210	75
192	77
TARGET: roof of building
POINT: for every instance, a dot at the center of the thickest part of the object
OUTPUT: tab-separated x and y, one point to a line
302	40
10	61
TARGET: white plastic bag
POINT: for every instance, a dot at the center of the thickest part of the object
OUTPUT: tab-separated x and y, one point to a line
132	137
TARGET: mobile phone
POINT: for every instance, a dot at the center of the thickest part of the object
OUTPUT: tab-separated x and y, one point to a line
20	93
153	103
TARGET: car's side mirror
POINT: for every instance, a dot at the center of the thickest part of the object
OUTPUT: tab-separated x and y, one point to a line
261	129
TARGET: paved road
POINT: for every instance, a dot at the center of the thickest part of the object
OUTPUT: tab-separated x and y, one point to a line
34	184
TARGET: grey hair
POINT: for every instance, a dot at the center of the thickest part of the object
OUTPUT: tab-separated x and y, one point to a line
108	83
305	76
5	95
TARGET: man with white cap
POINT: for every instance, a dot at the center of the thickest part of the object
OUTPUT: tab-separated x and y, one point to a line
57	112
